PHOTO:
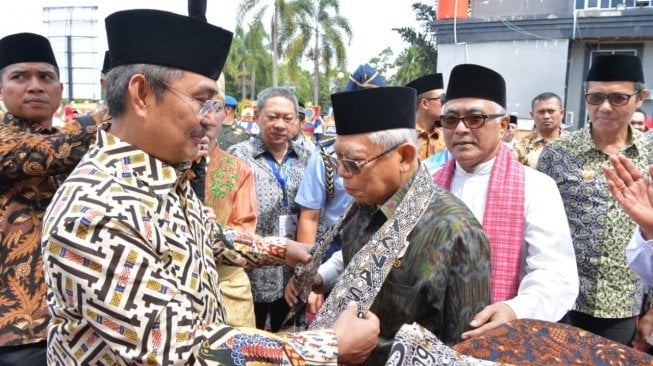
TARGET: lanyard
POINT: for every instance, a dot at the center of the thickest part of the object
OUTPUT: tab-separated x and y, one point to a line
281	178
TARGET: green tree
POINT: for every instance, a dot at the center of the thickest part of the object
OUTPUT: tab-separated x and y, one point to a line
422	40
281	19
382	62
409	65
249	62
319	37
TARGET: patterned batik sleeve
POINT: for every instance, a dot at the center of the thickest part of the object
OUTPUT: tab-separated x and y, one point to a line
115	300
24	154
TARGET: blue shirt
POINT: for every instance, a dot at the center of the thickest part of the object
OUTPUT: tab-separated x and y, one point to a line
312	190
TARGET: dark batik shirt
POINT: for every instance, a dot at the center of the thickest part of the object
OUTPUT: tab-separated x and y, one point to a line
600	229
268	283
441	281
33	162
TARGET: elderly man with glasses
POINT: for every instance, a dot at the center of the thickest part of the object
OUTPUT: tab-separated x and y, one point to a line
533	267
610	292
412	251
131	253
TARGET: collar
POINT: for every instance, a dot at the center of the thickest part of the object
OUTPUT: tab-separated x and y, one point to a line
25	125
128	161
421	131
391	204
484	168
637	140
260	148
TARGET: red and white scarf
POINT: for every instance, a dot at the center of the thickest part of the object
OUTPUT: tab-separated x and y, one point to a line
503	220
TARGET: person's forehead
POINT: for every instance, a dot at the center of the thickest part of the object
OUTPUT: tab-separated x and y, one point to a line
467	104
638	116
613	86
278	102
347	144
545	103
30	66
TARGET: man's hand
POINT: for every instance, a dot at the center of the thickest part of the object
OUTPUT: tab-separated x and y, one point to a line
489	318
644	330
314	302
633	192
297	252
291	294
357	337
203	147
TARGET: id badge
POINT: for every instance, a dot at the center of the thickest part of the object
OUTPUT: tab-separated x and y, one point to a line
288	226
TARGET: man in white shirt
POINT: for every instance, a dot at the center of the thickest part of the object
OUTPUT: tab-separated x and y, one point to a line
635	195
534	271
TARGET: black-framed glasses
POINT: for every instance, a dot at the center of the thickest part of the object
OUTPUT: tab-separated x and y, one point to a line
206	106
616	99
442	98
471	121
353	167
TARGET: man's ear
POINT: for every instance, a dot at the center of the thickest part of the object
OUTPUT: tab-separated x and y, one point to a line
138	91
408	154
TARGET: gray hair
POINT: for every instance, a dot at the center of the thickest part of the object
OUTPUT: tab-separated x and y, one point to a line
388	139
272	92
117	81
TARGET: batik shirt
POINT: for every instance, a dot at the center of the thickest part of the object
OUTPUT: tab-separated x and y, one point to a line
33	162
443	278
600	229
429	143
268	283
528	149
131	259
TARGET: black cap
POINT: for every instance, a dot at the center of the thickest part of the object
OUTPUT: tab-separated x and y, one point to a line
106	64
616	68
167	39
513	119
25	47
375	109
475	81
427	83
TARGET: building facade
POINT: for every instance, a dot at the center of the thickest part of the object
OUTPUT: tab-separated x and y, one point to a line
544	45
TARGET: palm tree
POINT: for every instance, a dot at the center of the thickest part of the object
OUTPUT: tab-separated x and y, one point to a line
281	18
321	24
424	41
409	62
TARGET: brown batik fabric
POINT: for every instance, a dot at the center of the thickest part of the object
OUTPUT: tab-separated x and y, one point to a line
33	162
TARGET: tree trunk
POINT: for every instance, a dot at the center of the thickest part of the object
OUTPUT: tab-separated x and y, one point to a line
275	56
243	83
253	84
316	69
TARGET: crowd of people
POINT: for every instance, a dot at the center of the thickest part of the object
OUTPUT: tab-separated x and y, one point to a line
158	230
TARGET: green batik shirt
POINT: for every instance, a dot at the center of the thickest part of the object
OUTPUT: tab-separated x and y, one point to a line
443	278
600	229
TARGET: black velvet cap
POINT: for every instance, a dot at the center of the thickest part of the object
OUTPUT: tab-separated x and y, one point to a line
616	68
374	109
513	119
106	64
475	81
427	83
162	38
25	47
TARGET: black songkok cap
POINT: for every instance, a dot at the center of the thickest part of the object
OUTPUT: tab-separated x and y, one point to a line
427	83
106	64
475	81
374	109
513	119
25	47
162	38
616	68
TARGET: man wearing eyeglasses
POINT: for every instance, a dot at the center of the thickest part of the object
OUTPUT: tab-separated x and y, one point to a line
533	267
131	253
430	96
610	292
547	114
411	251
